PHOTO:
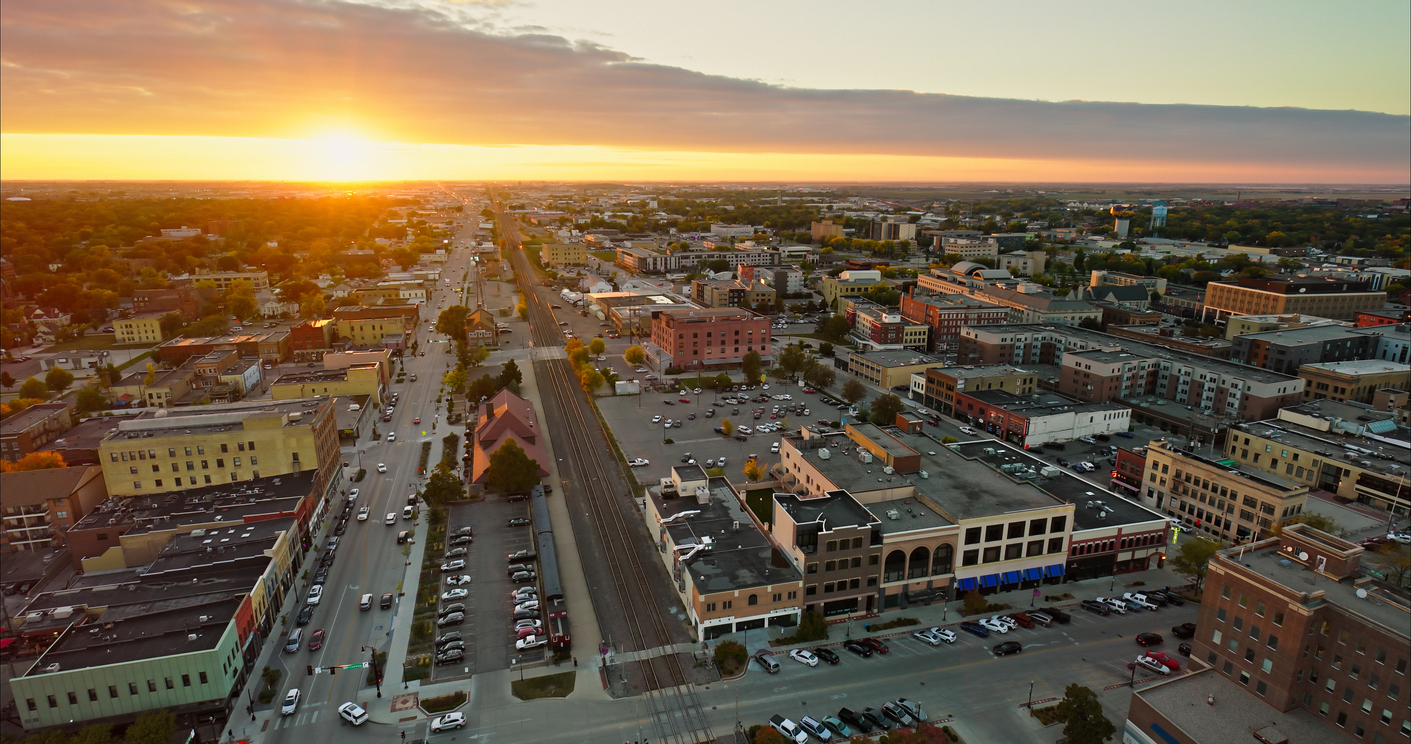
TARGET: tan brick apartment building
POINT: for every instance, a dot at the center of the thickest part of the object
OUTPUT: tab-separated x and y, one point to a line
943	383
1357	380
1322	297
32	428
1225	501
946	314
710	338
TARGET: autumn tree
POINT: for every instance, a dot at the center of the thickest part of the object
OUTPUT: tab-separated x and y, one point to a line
853	391
597	346
511	470
34	461
754	470
727	427
7	381
33	388
634	355
151	375
171	324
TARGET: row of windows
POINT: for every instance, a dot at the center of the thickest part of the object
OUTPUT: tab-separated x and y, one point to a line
151	454
831	587
752	600
997	532
113	691
191	465
1011	551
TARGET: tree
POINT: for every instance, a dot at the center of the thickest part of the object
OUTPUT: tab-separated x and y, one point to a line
33	388
34	461
313	306
476	355
455	380
1092	324
511	470
522	310
91	399
98	733
451	322
751	367
853	391
1193	557
591	379
597	346
727	427
171	324
792	361
834	328
483	387
242	306
151	375
58	379
6	380
754	470
1155	298
1312	519
1082	713
509	372
885	409
634	355
1396	563
825	349
820	376
444	486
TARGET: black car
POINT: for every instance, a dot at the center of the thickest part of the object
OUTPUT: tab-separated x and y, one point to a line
1149	639
1007	648
1095	607
826	655
450	657
341	528
525	615
519	522
306	615
453	607
1184	630
1173	598
1058	615
321	576
462	540
876	718
856	720
448	637
1184	649
858	648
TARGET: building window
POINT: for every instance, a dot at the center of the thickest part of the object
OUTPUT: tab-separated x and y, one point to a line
92	695
991	554
1013	550
972	536
132	688
1055	545
970	558
53	702
810	590
112	691
994	533
186	678
1267	665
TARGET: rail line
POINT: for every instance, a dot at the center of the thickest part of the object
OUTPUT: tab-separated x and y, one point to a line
674	708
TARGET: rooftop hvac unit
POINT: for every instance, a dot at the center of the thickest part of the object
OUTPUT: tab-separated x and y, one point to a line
889	470
867	457
824	454
924	474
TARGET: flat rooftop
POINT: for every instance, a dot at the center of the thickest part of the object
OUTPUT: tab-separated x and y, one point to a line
983	370
213	418
1360	367
1268	480
160	628
900	516
1379	607
1037	402
29	417
739	558
897	358
1236	715
1314	334
226	502
833	510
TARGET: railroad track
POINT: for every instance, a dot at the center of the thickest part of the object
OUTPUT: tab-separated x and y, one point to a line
674	708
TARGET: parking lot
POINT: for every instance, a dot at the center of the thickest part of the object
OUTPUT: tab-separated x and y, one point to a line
486	631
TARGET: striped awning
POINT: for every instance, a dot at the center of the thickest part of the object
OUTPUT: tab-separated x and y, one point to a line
966	584
1054	570
1009	577
1033	574
989	580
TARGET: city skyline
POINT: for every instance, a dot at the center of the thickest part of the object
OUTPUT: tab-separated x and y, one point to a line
341	91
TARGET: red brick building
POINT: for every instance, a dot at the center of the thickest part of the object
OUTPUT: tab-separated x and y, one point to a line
947	314
710	338
184	300
32	428
1128	470
311	336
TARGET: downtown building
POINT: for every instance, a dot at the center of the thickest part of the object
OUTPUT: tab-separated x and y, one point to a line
1338	299
695	339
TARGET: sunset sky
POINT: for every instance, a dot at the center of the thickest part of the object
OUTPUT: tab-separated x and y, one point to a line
1253	92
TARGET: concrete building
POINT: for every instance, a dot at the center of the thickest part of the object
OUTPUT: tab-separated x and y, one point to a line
1325	298
39	506
892	228
722	230
1096	366
1023	263
167	388
942	384
1038	418
353	380
187	447
1291	623
825	230
1347	449
1167	337
732	293
1239	325
849	284
1287	350
31	429
946	314
559	255
1028	302
506	418
345	359
1353	381
879	328
969	248
1220	498
1100	277
224	280
719	556
885	369
143	328
709	338
268	346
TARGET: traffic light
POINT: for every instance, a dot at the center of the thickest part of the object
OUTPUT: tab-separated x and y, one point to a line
332	670
310	669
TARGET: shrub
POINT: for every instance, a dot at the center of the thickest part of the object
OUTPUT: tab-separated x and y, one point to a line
730	658
975	603
812	627
901	622
443	703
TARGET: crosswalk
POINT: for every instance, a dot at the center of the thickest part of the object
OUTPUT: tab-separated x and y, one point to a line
306	714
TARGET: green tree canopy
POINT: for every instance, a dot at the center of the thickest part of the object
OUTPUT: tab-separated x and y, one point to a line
152	727
853	391
509	372
751	366
33	388
58	379
1082	713
885	409
171	324
7	380
834	328
1193	556
451	322
511	470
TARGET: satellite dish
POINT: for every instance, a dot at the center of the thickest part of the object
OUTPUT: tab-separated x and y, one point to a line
1361	593
1303	555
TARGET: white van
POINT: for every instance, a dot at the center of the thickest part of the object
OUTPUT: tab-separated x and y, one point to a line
295	638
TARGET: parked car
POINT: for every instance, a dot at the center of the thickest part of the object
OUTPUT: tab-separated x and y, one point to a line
765	658
855	720
928	636
877	718
1023	620
837	726
994	625
1007	648
1184	630
976	628
876	644
519	522
530	642
826	655
1095	607
454	565
450	657
1164	658
898	714
459	580
912	707
448	722
858	648
455	594
1149	664
804	656
1058	615
1150	639
1184	649
455	618
315	595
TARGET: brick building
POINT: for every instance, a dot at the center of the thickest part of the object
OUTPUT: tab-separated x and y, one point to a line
1220	498
311	339
709	338
879	328
32	428
1355	380
1038	418
946	314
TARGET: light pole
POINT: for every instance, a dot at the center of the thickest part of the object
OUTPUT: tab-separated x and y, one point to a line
1031	699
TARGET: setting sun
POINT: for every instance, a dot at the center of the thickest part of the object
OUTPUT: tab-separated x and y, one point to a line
342	157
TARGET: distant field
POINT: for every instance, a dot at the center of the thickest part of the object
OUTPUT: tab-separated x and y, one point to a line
608	256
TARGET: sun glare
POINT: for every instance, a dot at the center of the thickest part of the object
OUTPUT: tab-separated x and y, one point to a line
339	156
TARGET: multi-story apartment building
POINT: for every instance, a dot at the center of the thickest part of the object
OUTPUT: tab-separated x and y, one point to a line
657	261
1349	449
143	328
852	283
720	556
1165	336
268	346
224	280
893	228
352	380
311	339
821	231
1287	350
1027	302
370	326
184	300
1322	297
942	384
1096	366
1151	284
39	506
1385	316
1224	500
564	254
879	328
970	248
32	428
732	293
885	369
710	338
1239	325
198	446
946	314
1355	381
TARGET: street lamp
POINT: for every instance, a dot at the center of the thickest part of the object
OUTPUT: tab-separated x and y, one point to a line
1031	699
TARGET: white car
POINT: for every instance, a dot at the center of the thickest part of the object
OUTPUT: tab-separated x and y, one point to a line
967	430
391	518
774	448
1087	440
353	495
656	419
1009	622
928	635
458	580
640	462
454	565
353	713
720	463
531	624
362	514
946	635
1117	605
526	643
392	437
1146	662
993	626
804	656
315	594
381	467
291	702
448	722
765	386
698	391
528	604
455	594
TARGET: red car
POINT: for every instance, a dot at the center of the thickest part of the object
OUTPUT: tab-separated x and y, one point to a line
416	421
316	640
684	400
1169	662
876	644
810	391
1022	619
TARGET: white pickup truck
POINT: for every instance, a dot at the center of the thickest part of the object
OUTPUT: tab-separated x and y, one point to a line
789	729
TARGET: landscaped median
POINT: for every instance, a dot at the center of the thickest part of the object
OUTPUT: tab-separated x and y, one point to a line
548	685
437	705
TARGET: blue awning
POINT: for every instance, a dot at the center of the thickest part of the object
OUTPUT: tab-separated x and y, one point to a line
1009	577
989	580
1033	574
966	584
1054	570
